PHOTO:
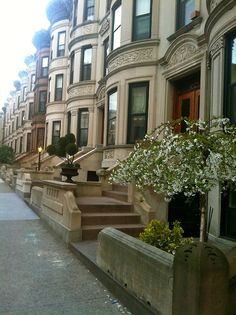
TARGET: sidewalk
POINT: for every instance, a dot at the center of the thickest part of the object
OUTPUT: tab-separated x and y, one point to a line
38	274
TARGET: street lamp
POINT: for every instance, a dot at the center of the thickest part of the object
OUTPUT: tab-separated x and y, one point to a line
40	149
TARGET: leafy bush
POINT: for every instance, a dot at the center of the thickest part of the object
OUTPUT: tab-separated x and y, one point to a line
6	154
158	234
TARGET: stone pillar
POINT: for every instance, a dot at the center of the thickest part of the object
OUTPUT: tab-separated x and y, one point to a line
201	279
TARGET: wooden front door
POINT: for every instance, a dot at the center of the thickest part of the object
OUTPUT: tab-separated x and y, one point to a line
187	106
181	208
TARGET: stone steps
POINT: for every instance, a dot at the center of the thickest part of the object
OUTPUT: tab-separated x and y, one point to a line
110	218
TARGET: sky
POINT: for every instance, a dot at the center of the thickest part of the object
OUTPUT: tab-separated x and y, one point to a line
19	20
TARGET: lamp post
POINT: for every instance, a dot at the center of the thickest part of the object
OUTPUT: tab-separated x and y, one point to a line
40	149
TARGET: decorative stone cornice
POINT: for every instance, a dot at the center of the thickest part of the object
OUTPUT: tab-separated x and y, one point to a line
216	46
78	90
140	56
182	49
105	26
212	4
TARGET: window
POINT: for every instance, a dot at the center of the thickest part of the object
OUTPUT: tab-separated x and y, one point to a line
44	67
31	105
28	142
69	122
75	13
61	44
32	82
230	72
112	113
18	101
22	117
21	145
24	93
137	115
42	101
86	64
40	137
185	8
142	19
56	131
106	52
72	64
83	122
51	48
49	89
89	10
17	122
58	87
116	27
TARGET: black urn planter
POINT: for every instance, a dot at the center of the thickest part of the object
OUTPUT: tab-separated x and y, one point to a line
69	172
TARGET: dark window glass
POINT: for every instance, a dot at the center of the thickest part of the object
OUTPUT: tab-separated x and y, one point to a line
58	87
61	44
28	144
116	27
56	131
83	124
89	10
32	82
230	79
86	64
138	107
108	5
24	94
112	116
42	101
69	122
142	19
72	61
185	8
44	67
75	13
106	52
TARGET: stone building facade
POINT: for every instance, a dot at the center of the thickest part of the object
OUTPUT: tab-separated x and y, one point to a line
117	69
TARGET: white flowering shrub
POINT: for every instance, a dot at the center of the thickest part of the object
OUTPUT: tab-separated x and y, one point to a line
192	162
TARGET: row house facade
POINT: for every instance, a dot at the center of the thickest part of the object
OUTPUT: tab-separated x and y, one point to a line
119	68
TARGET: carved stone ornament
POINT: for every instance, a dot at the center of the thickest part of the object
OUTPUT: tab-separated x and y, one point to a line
81	91
216	46
182	53
104	27
214	4
109	154
101	93
83	30
132	57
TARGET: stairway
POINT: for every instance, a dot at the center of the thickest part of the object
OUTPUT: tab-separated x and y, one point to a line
111	209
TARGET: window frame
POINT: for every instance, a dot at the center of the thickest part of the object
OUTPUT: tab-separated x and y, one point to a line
136	18
228	104
32	82
181	13
115	7
61	52
80	129
42	105
58	90
72	67
131	116
83	68
86	11
111	92
105	55
55	138
44	69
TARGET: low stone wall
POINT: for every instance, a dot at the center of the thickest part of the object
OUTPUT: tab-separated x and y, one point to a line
55	203
143	270
197	280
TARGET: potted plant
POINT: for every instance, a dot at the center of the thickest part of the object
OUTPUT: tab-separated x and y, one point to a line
66	149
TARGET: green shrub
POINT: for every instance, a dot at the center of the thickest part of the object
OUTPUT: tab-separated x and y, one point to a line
158	234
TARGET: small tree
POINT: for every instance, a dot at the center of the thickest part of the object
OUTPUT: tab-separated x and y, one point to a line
6	154
191	163
65	149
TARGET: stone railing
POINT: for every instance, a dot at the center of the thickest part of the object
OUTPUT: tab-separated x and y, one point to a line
55	203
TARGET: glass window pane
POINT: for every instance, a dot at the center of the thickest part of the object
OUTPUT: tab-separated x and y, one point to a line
87	55
139	95
62	37
189	8
59	81
84	119
117	17
138	128
142	27
143	7
112	104
116	38
233	62
45	62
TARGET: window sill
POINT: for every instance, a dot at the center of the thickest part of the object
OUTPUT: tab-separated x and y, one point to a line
185	29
